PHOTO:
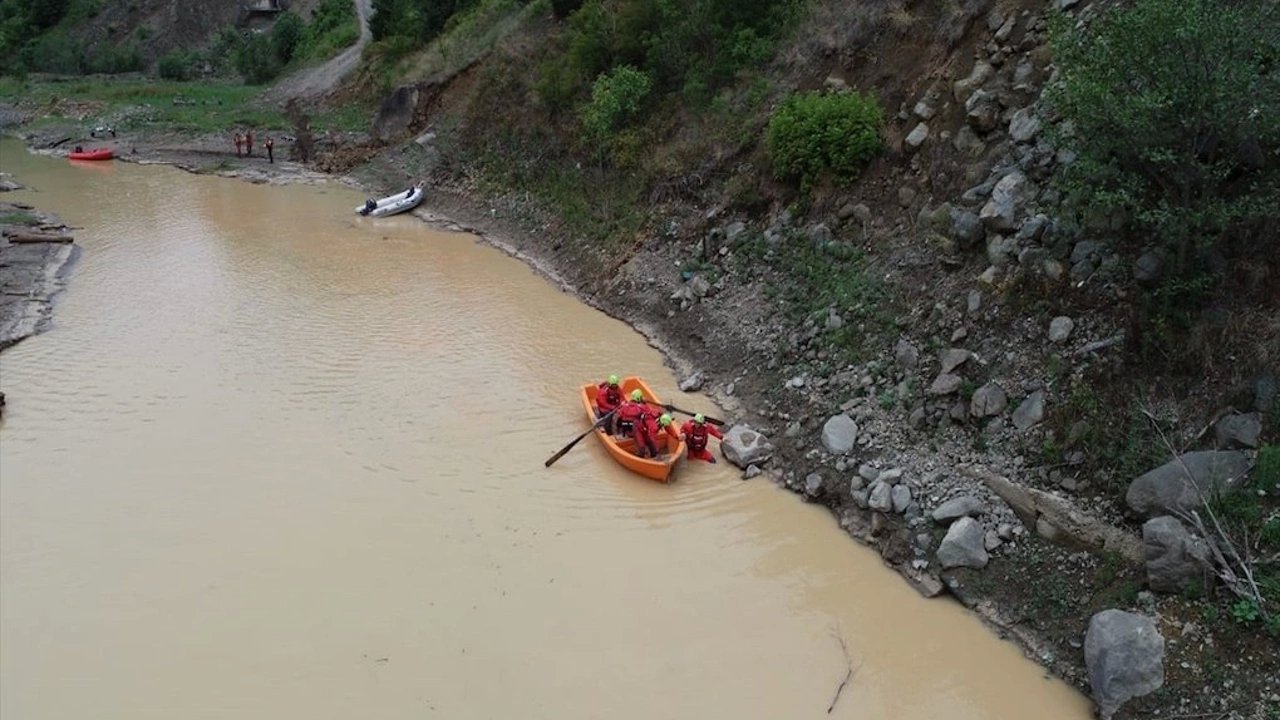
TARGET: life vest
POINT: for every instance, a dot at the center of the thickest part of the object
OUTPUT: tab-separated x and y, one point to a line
629	414
612	395
698	437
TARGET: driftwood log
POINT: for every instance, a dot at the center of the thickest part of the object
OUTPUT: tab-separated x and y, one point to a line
21	236
1057	519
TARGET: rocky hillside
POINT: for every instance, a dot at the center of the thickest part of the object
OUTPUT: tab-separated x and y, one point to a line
1004	394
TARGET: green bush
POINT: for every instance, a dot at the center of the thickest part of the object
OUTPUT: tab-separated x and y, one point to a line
691	46
286	34
1174	110
332	28
616	98
421	20
178	65
815	134
115	59
256	61
54	52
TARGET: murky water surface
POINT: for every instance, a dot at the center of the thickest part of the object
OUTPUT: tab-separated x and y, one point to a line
277	461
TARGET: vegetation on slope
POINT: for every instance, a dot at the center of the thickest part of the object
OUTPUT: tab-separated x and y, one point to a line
1174	117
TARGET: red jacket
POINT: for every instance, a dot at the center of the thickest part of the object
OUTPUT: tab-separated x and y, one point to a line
628	413
696	435
608	397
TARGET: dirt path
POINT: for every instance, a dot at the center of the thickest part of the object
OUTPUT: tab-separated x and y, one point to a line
315	81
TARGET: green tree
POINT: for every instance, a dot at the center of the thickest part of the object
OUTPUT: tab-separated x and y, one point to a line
286	34
256	61
1174	118
814	134
616	98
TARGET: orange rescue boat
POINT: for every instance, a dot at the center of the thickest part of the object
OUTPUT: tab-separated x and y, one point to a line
101	153
670	450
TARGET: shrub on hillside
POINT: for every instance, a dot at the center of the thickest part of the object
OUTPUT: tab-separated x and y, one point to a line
178	65
255	60
1174	112
616	98
421	20
115	59
333	27
693	46
815	134
54	52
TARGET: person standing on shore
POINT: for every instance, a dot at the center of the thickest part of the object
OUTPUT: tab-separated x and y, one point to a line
248	142
271	158
238	141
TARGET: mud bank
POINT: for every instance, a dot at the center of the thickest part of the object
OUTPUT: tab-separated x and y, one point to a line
31	273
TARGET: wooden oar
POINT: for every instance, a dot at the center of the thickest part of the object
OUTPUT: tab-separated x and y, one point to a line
708	418
578	439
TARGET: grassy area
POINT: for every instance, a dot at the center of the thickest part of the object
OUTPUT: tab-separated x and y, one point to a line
136	103
18	218
139	103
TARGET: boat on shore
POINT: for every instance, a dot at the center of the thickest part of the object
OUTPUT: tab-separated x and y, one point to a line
393	204
622	450
101	153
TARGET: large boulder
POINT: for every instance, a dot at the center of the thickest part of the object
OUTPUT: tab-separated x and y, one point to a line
1184	483
839	434
743	446
1124	655
956	508
964	545
1176	559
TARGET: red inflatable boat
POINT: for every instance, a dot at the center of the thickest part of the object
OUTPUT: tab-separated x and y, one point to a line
92	154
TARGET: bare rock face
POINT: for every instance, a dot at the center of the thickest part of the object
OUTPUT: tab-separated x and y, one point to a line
396	113
1124	655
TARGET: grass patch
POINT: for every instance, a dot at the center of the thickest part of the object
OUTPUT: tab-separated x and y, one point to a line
809	279
18	218
131	104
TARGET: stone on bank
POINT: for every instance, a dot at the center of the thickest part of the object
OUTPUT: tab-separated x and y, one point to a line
1124	656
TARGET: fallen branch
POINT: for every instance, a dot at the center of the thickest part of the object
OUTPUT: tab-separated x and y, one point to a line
847	676
1100	345
18	237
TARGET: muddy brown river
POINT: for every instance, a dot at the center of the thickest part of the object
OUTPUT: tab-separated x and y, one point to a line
278	461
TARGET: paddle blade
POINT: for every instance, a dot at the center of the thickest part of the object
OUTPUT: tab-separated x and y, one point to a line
578	439
560	454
